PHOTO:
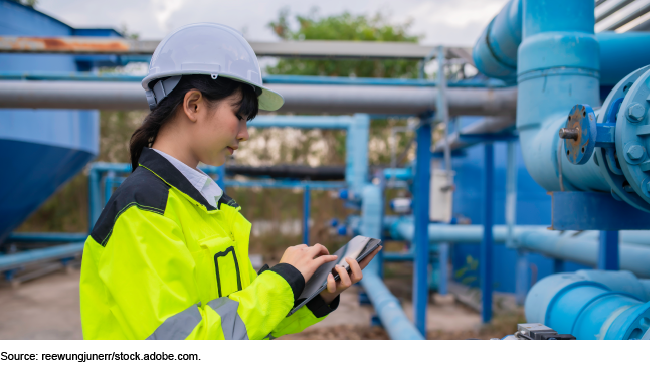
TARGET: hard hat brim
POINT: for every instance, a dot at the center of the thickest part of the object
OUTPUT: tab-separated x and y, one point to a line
269	100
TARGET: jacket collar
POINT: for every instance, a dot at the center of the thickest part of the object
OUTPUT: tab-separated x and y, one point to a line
160	166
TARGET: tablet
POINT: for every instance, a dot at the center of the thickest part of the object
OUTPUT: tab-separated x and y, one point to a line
358	248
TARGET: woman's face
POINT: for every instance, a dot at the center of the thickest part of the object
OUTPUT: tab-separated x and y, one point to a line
219	130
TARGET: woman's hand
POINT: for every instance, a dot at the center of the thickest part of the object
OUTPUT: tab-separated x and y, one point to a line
307	259
335	288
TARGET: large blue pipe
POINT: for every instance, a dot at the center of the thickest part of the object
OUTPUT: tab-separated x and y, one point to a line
592	305
495	52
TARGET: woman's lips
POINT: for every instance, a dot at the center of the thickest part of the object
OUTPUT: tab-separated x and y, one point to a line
230	150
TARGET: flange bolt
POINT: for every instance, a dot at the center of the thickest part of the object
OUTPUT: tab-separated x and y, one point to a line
569	133
635	152
636	112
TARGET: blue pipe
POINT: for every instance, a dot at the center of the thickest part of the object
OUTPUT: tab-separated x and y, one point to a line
46	237
487	244
605	305
16	260
269	79
421	224
583	250
388	308
608	250
495	52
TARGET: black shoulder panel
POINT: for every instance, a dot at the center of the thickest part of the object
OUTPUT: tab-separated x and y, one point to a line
225	199
143	190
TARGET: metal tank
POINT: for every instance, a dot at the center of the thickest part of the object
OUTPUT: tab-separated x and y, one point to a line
42	149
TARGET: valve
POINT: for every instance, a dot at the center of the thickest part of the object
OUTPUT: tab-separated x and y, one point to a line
581	133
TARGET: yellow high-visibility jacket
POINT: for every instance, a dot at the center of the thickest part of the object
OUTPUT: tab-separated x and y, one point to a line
161	263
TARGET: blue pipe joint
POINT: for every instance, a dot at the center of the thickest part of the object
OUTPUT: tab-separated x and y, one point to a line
334	222
343	194
588	310
342	231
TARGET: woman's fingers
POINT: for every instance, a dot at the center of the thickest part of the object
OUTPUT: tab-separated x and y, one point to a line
355	270
323	259
318	250
331	283
344	277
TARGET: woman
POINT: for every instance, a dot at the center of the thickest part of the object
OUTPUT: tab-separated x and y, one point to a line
168	257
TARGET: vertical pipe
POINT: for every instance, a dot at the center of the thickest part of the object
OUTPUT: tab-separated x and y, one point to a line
108	186
522	279
305	214
94	198
558	266
488	238
511	192
421	224
443	260
608	251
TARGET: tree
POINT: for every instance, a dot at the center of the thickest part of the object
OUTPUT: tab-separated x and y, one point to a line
347	27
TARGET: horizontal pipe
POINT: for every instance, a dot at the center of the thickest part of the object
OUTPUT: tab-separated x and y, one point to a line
47	237
309	48
16	260
389	310
268	79
455	233
333	99
633	257
300	172
279	184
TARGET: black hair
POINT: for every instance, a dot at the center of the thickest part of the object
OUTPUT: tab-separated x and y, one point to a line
213	90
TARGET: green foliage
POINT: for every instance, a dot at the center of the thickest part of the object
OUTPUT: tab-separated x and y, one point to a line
346	27
30	3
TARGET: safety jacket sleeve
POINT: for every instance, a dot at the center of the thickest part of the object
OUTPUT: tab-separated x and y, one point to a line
147	279
315	311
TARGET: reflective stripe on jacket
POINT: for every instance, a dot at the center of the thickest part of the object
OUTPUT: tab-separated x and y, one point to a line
161	263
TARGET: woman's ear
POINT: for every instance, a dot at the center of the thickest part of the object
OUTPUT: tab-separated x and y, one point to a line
192	104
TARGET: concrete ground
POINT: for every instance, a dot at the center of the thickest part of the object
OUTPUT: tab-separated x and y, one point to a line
48	308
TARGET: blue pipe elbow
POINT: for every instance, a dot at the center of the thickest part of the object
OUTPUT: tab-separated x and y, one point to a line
495	52
590	310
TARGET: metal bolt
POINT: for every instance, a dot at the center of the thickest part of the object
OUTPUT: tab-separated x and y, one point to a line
635	152
636	112
569	133
628	189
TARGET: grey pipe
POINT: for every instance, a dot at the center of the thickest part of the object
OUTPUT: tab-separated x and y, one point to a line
331	99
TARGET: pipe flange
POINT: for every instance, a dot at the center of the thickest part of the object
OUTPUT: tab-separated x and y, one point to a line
607	159
633	134
579	134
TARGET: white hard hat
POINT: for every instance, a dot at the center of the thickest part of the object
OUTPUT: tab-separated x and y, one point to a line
208	49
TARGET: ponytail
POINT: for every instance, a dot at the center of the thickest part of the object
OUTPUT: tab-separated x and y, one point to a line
213	90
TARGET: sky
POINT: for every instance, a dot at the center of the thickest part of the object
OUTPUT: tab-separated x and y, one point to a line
446	22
